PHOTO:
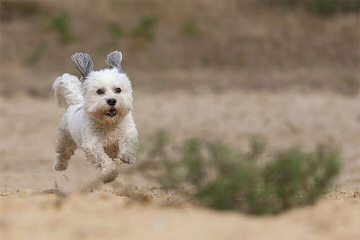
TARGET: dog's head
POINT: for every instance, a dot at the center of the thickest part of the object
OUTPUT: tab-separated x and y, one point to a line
107	93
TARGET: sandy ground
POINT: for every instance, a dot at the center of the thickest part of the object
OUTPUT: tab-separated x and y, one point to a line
105	216
27	137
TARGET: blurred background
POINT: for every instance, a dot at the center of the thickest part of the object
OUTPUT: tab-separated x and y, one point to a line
243	44
286	72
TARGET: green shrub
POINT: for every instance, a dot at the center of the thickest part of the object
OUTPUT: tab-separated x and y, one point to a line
60	23
143	33
116	31
214	175
331	7
190	28
320	7
298	178
161	141
38	53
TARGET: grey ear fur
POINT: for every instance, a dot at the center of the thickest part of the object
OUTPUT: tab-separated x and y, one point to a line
83	63
114	60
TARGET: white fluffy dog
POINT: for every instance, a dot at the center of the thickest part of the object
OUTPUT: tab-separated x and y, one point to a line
98	116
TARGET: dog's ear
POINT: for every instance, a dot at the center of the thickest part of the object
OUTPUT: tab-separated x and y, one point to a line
114	60
83	63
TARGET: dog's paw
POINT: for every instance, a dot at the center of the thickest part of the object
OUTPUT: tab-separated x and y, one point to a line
110	176
108	167
109	172
128	159
60	166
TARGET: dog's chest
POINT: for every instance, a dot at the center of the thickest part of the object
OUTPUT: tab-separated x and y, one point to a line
110	136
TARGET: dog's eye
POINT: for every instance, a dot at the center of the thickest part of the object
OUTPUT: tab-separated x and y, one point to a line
100	91
117	90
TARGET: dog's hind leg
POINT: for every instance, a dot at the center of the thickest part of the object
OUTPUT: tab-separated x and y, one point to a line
65	147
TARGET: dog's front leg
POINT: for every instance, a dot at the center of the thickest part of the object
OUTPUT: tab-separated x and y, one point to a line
97	157
128	147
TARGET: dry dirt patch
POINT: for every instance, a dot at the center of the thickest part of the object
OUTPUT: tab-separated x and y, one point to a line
107	216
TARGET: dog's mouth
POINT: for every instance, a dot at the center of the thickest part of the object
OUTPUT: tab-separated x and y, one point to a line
111	113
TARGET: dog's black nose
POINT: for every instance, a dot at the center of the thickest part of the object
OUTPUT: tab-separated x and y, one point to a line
111	101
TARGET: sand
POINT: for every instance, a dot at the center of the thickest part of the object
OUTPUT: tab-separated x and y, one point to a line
30	209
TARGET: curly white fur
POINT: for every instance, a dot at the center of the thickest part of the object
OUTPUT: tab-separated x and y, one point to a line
105	132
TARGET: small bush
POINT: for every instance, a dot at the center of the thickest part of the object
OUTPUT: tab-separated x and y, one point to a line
297	178
38	53
331	7
320	7
144	31
190	28
214	175
161	141
61	24
116	31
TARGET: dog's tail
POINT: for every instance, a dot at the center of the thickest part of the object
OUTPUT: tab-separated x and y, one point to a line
67	90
